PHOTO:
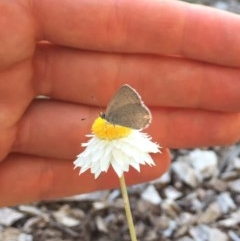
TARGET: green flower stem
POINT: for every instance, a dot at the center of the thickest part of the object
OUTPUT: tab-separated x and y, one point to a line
127	209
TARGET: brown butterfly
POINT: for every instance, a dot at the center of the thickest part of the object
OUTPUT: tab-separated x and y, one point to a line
127	109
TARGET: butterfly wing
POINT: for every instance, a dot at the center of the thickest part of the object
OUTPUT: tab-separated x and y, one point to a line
135	116
127	109
123	96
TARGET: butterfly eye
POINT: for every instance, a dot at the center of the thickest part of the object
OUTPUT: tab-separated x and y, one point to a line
102	115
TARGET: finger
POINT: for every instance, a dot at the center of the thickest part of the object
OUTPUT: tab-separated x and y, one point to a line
18	34
187	128
158	27
27	178
163	81
16	93
56	130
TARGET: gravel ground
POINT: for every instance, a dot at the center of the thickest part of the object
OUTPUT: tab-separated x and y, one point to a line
197	200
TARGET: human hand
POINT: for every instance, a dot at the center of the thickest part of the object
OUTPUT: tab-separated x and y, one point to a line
183	59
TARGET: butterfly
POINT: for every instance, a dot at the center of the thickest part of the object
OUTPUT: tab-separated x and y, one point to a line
126	108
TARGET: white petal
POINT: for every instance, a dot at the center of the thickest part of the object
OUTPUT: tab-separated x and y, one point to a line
135	165
148	159
105	162
121	159
143	142
117	168
97	174
95	168
102	158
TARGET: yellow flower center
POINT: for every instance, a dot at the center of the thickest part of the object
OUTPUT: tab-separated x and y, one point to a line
105	130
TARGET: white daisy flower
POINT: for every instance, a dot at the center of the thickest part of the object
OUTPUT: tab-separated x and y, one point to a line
117	146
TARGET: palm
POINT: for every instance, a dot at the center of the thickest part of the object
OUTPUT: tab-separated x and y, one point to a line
194	97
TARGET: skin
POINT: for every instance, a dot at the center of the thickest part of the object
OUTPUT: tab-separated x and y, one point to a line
183	59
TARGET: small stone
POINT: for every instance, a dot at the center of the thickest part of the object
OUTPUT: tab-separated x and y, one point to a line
186	219
143	205
181	231
212	213
235	186
140	228
172	193
225	202
161	222
228	223
200	233
185	238
236	163
100	205
151	234
229	176
204	161
207	196
163	180
151	195
31	210
13	234
218	185
186	173
8	216
217	234
171	228
63	216
113	195
28	225
101	225
170	208
137	188
10	234
191	202
205	233
232	221
25	237
233	236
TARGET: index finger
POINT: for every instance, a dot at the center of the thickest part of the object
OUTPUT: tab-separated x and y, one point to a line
142	26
